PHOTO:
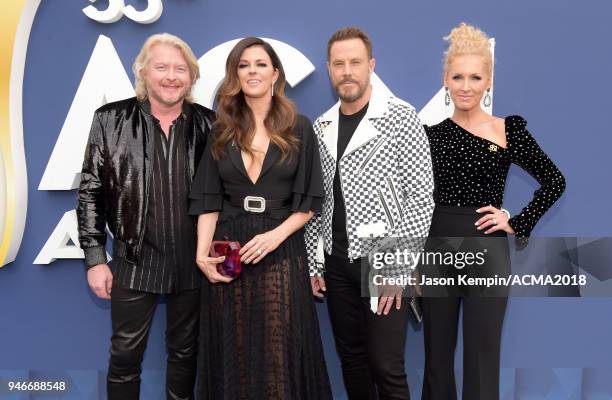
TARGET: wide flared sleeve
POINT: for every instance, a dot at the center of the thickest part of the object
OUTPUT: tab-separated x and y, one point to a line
308	183
526	153
206	194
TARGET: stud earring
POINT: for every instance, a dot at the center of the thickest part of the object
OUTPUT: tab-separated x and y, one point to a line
447	99
486	101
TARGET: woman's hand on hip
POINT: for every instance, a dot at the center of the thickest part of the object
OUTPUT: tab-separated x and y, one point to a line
494	220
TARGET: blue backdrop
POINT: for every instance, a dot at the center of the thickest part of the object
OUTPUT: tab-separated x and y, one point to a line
553	66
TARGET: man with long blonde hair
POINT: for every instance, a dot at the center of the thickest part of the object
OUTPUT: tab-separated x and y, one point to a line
139	164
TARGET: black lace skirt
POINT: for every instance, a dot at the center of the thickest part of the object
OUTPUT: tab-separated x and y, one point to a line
259	334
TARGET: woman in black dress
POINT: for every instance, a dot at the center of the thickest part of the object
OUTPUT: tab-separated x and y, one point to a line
258	183
471	154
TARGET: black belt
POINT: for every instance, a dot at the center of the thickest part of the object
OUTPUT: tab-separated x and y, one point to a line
257	204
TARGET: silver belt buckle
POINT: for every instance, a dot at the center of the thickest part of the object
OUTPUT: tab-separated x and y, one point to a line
257	209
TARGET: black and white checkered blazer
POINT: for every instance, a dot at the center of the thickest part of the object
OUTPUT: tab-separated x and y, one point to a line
386	179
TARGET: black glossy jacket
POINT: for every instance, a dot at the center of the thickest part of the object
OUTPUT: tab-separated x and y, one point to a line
116	175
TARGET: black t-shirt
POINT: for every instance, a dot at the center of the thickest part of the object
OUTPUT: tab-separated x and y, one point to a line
347	124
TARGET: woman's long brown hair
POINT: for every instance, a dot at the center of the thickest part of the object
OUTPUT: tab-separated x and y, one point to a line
235	120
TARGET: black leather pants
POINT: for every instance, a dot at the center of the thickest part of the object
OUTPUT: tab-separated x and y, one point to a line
131	315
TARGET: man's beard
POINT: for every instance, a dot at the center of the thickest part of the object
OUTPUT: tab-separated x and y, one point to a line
352	95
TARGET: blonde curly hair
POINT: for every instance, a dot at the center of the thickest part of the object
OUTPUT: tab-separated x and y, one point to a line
143	58
467	39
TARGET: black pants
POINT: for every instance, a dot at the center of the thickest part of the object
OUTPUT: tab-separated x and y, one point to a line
452	229
131	315
371	347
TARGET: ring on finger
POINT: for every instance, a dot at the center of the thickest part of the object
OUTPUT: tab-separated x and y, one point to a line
494	221
259	251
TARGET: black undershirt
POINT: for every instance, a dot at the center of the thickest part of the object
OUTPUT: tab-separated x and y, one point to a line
347	124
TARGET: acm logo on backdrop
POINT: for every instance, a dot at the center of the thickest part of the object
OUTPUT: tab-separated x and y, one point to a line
105	80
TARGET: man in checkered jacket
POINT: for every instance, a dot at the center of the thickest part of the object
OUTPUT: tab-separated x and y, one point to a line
378	185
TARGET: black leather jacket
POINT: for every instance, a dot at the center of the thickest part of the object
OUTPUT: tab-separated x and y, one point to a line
116	174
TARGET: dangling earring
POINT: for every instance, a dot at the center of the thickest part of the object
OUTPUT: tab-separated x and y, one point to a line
273	82
447	98
486	101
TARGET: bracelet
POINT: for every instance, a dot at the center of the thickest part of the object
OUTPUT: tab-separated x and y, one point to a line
505	211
